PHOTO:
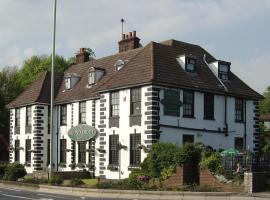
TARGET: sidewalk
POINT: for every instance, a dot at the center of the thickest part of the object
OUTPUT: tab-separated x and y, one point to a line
135	194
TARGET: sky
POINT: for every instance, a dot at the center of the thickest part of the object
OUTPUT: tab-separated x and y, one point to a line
237	31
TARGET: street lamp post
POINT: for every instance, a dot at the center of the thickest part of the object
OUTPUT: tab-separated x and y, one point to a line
52	90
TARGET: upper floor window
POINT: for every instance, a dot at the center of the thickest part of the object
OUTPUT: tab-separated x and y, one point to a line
209	106
68	83
188	103
171	102
190	64
63	114
91	78
82	114
113	149
239	110
135	101
28	120
223	71
17	117
114	101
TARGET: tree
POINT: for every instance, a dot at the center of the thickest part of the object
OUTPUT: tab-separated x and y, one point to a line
33	67
265	103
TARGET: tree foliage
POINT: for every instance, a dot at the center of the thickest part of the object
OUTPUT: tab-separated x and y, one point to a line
265	103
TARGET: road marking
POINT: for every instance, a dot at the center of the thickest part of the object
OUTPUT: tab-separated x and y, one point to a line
59	197
16	190
20	197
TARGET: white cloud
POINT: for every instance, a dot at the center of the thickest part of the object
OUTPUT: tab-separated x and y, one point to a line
254	71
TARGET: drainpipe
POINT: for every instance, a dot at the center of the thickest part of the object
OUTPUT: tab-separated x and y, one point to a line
226	91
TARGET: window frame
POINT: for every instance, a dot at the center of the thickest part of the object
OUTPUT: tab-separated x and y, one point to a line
27	150
48	151
63	115
135	150
82	152
239	110
187	62
92	77
17	151
209	106
185	114
168	107
82	112
236	140
17	117
223	75
67	83
63	151
135	100
28	116
114	150
114	104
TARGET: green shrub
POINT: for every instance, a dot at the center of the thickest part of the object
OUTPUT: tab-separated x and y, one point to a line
2	169
167	172
30	179
13	171
76	182
188	154
212	162
55	180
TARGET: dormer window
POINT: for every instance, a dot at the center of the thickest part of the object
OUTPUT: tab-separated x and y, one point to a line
190	64
68	83
119	64
71	80
91	78
94	75
223	71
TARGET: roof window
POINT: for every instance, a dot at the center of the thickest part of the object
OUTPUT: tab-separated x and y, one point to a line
223	70
190	64
94	75
71	80
119	64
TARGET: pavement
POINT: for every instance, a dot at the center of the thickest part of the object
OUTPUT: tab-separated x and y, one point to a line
15	192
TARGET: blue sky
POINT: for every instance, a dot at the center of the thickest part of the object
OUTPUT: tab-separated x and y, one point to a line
233	30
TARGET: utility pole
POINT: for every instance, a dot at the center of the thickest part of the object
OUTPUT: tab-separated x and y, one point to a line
52	91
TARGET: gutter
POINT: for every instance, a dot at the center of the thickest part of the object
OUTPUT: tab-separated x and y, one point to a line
226	94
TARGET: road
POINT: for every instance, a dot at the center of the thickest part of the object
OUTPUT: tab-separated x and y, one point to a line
17	194
9	193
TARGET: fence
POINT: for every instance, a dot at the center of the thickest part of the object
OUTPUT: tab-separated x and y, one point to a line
247	163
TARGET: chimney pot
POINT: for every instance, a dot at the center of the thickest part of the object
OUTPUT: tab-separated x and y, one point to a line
130	34
123	36
134	34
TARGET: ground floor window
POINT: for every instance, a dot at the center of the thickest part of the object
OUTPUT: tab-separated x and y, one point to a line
17	151
82	152
114	149
48	151
28	150
188	139
63	148
135	150
239	143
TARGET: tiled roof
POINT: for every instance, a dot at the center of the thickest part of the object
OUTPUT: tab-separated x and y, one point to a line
153	64
39	91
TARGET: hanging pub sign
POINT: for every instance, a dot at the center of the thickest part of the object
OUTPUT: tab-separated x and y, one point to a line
82	132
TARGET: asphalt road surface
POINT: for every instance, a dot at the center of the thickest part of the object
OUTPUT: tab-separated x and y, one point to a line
17	194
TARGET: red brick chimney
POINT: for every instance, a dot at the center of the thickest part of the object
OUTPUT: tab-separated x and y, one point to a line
129	41
82	56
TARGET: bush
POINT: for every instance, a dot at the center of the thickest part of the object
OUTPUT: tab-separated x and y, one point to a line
163	155
30	179
212	162
76	182
2	170
167	172
14	171
55	180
